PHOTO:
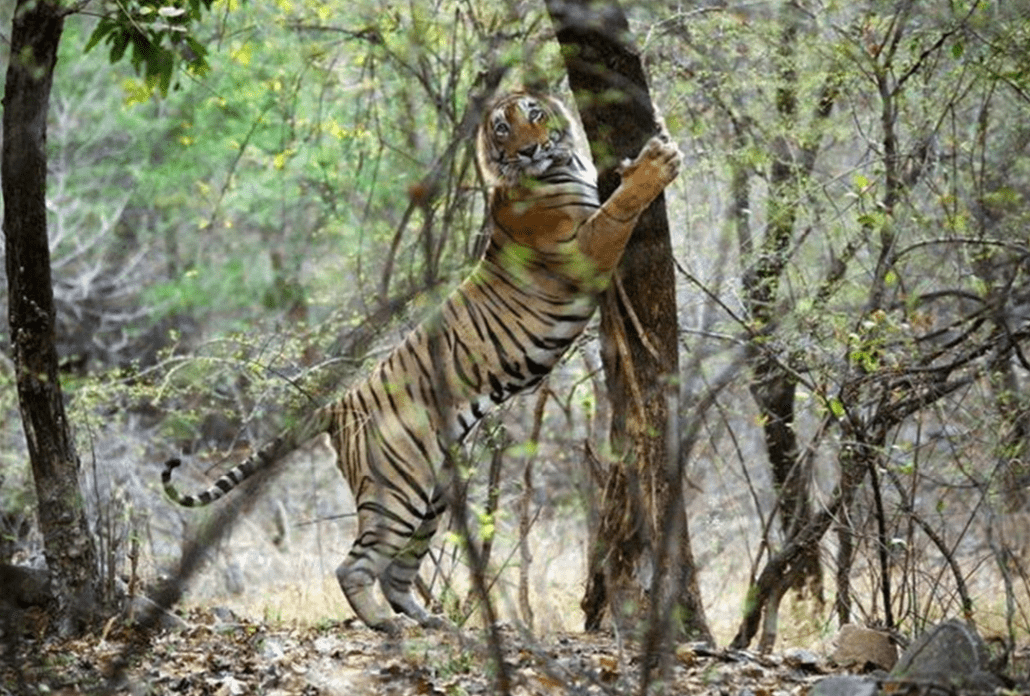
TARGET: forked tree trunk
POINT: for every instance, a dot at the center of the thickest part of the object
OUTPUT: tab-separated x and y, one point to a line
69	548
642	548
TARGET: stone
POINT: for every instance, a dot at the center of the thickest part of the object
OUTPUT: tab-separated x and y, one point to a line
844	685
859	648
802	659
951	654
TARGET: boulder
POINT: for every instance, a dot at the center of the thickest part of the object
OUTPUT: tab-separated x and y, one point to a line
864	649
952	655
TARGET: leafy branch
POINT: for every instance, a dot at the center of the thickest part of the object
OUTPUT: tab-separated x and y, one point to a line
159	33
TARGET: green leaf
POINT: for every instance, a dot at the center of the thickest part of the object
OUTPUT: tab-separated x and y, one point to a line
872	220
836	407
104	28
120	41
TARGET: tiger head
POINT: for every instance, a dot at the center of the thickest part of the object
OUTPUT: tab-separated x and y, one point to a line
523	135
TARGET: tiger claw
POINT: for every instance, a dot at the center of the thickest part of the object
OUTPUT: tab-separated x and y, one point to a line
656	166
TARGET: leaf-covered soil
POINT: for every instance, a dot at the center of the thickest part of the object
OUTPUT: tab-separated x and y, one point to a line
216	653
225	655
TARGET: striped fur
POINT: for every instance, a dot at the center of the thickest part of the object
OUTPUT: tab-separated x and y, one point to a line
553	247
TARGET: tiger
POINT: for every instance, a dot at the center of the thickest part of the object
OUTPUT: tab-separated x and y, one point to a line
552	249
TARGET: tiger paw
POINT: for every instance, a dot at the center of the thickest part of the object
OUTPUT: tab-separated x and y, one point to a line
388	626
435	622
395	627
655	167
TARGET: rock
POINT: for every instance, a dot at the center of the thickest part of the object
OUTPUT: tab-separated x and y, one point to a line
272	649
329	645
844	685
951	654
225	615
863	649
802	659
686	655
24	598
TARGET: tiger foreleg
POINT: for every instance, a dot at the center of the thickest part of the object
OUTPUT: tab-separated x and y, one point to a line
643	178
397	589
603	236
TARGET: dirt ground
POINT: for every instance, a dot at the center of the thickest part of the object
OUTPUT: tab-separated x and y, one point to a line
218	653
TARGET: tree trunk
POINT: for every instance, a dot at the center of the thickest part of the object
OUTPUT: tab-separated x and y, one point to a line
788	564
643	548
68	546
773	386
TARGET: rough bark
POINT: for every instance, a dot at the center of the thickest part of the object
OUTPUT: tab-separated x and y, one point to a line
643	550
68	546
773	386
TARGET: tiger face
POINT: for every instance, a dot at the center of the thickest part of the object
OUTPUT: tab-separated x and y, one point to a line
523	135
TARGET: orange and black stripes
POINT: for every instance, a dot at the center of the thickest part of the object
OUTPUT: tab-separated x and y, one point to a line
500	332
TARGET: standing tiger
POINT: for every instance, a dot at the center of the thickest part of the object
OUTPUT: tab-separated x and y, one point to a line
552	249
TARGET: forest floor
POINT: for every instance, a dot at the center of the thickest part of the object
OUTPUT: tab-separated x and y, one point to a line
216	653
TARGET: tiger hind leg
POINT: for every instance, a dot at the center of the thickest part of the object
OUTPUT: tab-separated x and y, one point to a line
388	549
357	576
403	568
381	534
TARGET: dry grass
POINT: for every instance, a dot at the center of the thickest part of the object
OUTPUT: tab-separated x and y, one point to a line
256	578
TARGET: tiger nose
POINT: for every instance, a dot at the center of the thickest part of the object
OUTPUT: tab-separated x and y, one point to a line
528	151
